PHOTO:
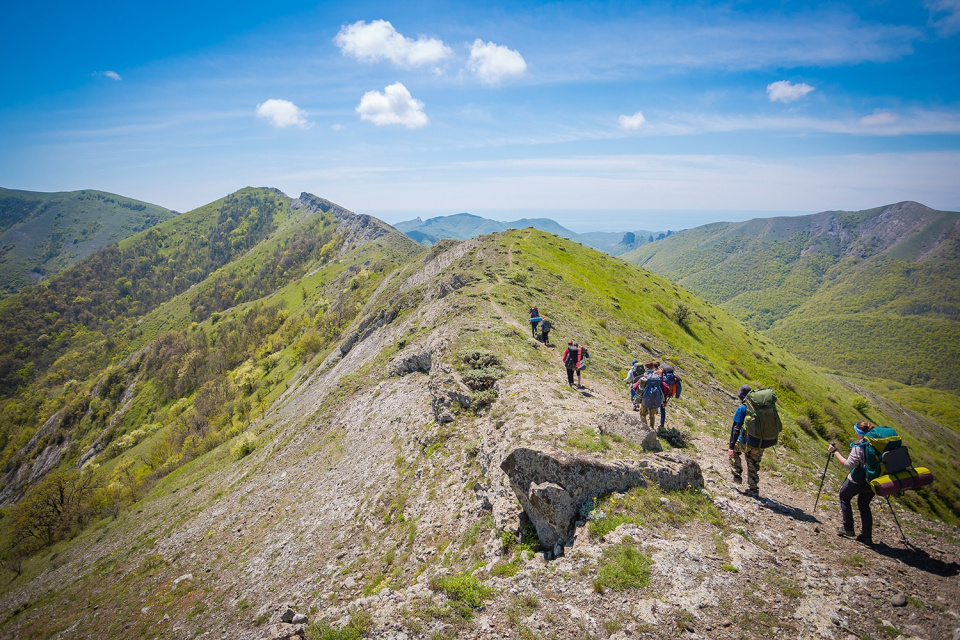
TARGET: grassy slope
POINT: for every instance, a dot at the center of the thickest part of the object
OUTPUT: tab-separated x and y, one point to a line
715	346
43	233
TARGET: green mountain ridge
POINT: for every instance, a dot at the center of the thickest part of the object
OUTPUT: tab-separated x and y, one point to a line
872	292
295	405
43	233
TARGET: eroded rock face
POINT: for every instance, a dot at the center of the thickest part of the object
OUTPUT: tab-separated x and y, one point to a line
630	428
551	485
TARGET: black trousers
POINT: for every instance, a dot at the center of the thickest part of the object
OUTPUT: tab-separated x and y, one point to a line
862	492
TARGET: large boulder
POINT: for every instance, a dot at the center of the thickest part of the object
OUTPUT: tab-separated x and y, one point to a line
551	485
630	428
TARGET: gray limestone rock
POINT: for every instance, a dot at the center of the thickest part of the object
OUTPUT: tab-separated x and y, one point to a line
551	485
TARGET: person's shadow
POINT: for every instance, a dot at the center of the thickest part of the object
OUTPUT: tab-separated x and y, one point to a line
917	558
787	510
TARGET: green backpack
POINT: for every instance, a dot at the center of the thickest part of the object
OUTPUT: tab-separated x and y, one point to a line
762	424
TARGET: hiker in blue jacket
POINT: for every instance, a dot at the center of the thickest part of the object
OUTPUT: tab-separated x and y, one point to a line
856	486
738	445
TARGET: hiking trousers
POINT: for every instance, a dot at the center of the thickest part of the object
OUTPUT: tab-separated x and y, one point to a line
753	456
570	376
864	494
650	415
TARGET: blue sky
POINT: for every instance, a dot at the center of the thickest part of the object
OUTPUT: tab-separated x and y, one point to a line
604	116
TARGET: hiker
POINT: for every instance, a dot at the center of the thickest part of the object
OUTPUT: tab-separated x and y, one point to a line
545	327
534	321
581	364
672	388
652	394
756	426
632	376
570	359
737	445
856	485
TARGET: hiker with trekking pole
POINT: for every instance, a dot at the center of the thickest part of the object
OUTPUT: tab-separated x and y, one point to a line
855	486
879	464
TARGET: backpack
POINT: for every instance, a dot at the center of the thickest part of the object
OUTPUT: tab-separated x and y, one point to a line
534	312
881	455
762	423
672	380
545	325
652	392
570	361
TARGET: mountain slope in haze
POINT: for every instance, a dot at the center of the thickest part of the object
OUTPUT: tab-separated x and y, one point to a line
463	226
348	465
43	233
873	292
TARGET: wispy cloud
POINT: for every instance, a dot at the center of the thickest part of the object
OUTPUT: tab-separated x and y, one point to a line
944	16
494	62
283	113
879	118
113	75
632	123
379	40
394	106
785	91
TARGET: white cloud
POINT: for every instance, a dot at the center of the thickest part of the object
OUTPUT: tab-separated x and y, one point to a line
944	16
493	62
283	113
380	41
632	123
785	91
394	106
337	126
113	75
879	118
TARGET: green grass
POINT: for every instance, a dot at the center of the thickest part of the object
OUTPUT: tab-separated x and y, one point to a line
622	567
643	506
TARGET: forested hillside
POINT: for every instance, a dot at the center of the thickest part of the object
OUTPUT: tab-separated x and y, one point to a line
872	292
43	233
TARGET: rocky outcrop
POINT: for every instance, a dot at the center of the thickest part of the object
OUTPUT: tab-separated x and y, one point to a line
630	428
551	485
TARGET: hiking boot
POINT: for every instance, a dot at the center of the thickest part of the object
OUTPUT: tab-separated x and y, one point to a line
844	533
868	540
752	493
737	479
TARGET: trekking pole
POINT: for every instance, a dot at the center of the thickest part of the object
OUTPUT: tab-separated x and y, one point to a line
895	519
823	478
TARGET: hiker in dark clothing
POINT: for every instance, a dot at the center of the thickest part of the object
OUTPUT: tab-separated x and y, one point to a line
545	327
534	321
673	387
738	445
856	486
571	358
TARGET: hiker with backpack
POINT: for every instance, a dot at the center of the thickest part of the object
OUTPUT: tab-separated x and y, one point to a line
534	321
571	360
652	394
857	483
756	426
672	388
581	364
545	327
633	374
